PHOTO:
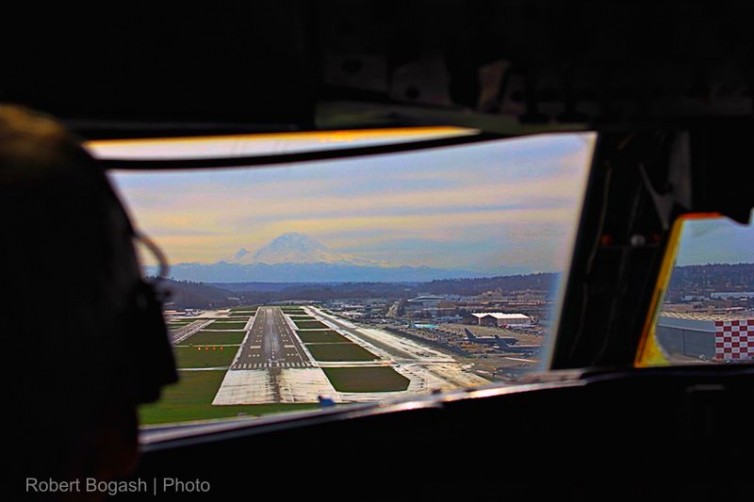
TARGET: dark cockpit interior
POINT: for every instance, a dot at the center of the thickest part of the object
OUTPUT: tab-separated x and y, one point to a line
666	87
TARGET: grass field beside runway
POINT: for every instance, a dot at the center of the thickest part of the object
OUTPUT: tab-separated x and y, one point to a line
191	399
204	356
302	317
309	324
366	379
205	337
243	311
227	325
341	352
180	322
321	336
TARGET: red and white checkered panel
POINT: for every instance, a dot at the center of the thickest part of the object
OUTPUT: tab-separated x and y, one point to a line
734	340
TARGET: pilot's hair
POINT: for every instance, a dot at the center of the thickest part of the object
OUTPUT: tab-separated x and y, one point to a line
67	265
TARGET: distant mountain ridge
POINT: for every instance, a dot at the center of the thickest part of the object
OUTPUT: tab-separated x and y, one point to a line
296	257
310	272
712	277
189	294
739	277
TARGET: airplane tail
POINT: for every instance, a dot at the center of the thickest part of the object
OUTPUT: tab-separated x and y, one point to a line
503	342
471	336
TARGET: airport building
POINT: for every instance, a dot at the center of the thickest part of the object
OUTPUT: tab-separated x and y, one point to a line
501	320
707	336
431	306
735	295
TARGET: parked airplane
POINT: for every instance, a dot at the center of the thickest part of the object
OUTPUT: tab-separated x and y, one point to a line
506	344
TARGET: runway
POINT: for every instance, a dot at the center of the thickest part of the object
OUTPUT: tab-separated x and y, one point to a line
270	344
272	366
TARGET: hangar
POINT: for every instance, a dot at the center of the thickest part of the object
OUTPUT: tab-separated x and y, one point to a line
501	320
707	336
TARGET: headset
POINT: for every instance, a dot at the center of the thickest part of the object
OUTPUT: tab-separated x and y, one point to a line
44	166
150	360
75	301
150	349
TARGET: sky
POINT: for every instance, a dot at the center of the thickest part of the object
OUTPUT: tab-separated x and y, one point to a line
715	240
508	206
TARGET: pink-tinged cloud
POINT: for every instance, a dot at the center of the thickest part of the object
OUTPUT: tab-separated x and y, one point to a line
485	205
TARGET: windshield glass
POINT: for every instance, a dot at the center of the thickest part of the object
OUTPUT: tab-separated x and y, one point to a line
360	279
707	312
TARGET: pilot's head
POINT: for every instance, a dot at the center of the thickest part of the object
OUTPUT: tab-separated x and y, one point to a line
68	272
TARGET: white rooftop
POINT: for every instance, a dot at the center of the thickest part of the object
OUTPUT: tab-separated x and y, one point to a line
500	315
709	316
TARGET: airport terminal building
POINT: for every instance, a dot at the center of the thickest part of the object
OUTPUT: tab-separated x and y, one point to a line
719	337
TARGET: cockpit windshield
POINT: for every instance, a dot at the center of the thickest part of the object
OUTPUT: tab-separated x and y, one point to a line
359	279
706	312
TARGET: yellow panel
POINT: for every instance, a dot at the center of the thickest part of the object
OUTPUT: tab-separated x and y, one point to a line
649	352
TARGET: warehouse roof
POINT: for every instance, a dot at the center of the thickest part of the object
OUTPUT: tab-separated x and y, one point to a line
500	315
711	316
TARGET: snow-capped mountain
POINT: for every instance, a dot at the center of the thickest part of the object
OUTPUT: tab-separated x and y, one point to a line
296	257
294	247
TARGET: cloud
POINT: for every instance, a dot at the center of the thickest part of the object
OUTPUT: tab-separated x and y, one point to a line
715	240
484	205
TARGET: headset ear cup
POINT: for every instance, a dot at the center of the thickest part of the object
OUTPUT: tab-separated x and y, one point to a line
149	344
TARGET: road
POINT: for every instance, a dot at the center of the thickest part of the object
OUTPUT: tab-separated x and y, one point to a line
394	351
178	335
